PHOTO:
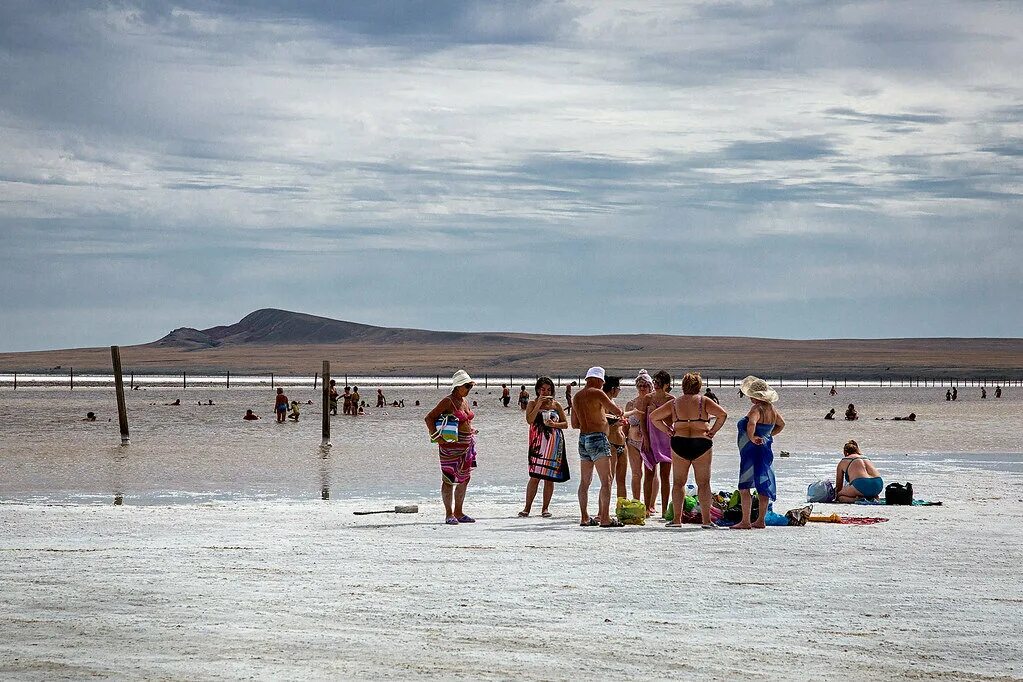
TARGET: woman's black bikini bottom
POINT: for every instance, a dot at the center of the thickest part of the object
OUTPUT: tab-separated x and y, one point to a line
690	448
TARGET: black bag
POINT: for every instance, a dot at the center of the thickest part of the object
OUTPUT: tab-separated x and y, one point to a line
896	493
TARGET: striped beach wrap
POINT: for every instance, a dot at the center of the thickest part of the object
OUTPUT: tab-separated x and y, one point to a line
458	458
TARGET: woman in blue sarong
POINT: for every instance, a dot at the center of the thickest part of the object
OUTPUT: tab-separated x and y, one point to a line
756	433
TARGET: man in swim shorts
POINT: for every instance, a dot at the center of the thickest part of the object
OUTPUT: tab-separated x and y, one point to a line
281	405
591	407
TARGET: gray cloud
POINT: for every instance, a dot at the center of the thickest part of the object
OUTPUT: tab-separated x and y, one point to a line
205	158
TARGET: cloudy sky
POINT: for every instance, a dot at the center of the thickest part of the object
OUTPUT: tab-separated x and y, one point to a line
786	169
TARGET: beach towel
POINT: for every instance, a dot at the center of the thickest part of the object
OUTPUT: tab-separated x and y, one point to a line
870	503
659	451
547	460
846	520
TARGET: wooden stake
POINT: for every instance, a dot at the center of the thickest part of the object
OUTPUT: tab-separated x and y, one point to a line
72	378
229	379
184	380
315	377
122	410
15	381
325	423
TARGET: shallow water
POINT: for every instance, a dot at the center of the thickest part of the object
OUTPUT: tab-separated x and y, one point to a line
193	453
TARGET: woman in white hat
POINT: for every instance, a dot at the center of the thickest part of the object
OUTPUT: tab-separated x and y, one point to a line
756	433
457	458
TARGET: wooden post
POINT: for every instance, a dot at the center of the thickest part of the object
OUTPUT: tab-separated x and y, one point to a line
72	378
133	381
122	411
486	381
438	381
15	381
325	423
271	379
315	377
184	380
229	378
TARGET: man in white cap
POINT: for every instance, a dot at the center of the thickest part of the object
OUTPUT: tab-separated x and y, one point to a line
589	414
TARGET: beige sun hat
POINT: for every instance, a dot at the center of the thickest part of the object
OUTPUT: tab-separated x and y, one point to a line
461	378
758	389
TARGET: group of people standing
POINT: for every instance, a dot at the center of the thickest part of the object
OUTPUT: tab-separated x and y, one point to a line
350	399
660	436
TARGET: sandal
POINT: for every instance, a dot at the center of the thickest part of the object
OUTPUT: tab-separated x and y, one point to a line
615	523
523	514
588	524
546	514
451	521
465	518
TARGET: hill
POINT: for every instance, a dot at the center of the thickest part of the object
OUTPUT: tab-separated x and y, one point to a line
285	342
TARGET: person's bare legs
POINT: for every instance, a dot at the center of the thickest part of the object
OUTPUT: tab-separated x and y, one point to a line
603	467
665	468
585	476
680	474
446	494
621	470
848	495
530	495
548	493
747	510
701	468
763	502
649	485
460	498
636	469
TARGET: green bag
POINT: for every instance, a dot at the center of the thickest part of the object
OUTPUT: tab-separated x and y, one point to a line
631	512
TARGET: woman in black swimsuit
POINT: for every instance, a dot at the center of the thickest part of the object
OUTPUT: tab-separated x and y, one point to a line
695	420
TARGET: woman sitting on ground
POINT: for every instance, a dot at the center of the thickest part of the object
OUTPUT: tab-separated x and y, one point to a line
856	476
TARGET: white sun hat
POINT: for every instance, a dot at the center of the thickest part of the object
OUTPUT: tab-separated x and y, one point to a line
595	373
758	389
461	378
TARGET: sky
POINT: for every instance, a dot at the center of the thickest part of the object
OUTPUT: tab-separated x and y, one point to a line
809	169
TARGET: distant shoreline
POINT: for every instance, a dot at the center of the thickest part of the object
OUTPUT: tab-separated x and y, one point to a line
860	360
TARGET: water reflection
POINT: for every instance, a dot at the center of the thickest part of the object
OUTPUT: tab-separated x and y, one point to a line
324	473
118	463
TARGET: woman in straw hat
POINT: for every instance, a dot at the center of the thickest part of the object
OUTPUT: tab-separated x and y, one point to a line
756	433
459	457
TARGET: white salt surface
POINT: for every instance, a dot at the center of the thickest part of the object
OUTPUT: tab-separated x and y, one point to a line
287	588
276	590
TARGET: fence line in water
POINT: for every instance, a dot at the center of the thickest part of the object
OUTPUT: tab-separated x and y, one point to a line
186	380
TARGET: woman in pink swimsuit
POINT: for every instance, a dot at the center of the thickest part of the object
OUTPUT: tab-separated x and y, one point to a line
458	458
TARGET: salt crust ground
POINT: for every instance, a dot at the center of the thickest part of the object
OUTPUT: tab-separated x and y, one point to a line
299	590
